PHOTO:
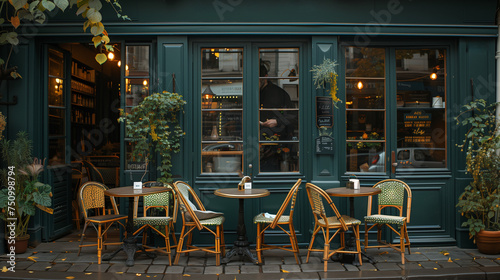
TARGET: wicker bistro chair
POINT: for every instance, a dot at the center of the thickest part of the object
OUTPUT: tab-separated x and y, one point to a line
91	196
265	221
337	224
161	224
197	218
392	196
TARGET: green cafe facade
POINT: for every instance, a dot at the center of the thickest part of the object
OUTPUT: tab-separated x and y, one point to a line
404	70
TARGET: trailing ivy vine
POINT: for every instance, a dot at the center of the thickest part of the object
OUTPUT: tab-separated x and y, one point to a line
155	129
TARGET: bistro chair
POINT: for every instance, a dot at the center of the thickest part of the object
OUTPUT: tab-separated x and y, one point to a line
392	196
161	224
91	197
196	217
93	174
266	221
338	224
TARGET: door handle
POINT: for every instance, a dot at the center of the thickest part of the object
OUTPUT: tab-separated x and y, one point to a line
394	163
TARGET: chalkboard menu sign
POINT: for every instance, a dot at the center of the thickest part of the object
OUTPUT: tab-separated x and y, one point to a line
418	123
324	111
324	145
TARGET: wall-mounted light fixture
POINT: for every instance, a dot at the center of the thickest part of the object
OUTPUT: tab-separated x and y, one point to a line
359	85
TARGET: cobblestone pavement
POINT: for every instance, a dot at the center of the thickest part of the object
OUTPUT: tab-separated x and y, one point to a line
59	260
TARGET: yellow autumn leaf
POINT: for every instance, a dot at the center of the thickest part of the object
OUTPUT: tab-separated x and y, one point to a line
285	271
186	275
5	269
383	253
119	272
138	274
449	260
435	268
70	277
101	58
444	253
97	40
32	259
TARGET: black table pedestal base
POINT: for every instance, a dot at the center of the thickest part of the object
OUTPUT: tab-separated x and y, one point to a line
242	249
130	247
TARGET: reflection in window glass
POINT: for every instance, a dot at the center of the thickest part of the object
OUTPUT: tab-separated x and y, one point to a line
221	97
137	61
365	109
421	95
278	112
136	89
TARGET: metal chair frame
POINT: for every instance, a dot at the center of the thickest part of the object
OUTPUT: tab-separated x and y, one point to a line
157	201
280	221
338	223
398	204
91	196
183	190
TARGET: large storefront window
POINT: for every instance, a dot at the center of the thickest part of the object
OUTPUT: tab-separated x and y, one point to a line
57	108
231	111
415	107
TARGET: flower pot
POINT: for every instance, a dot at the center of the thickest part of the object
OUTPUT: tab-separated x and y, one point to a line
488	242
21	244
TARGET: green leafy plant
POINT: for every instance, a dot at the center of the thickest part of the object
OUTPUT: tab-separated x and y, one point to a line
324	74
479	202
18	12
22	191
154	127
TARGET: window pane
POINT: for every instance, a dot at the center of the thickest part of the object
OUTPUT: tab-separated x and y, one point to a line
57	122
56	151
222	110
137	63
56	66
222	62
278	109
365	156
136	91
134	163
365	93
56	93
365	62
421	95
221	157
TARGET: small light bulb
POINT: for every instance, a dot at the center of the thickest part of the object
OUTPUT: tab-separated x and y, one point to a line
359	85
145	82
111	56
119	63
434	76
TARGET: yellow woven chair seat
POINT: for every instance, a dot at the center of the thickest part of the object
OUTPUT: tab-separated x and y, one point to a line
152	221
105	218
385	219
213	221
267	220
333	221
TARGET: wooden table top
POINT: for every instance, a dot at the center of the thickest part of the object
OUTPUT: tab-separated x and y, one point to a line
345	192
131	192
235	193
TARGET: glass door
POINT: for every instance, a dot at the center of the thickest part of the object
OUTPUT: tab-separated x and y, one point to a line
395	123
249	105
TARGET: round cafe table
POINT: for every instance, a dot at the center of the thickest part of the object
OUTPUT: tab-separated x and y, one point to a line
351	194
241	244
129	243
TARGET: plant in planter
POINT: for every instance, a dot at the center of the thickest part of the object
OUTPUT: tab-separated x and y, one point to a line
480	201
154	127
22	191
325	73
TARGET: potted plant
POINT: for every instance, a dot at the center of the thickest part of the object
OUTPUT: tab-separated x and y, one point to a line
325	74
155	128
480	201
22	191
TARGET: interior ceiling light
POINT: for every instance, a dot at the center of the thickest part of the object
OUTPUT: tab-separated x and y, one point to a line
359	85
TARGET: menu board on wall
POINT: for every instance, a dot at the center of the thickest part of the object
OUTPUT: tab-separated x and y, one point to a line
418	123
324	145
324	111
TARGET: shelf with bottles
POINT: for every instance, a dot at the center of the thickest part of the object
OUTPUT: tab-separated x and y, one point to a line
82	71
83	101
83	117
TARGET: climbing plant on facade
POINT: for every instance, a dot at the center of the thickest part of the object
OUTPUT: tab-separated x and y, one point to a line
15	13
154	128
